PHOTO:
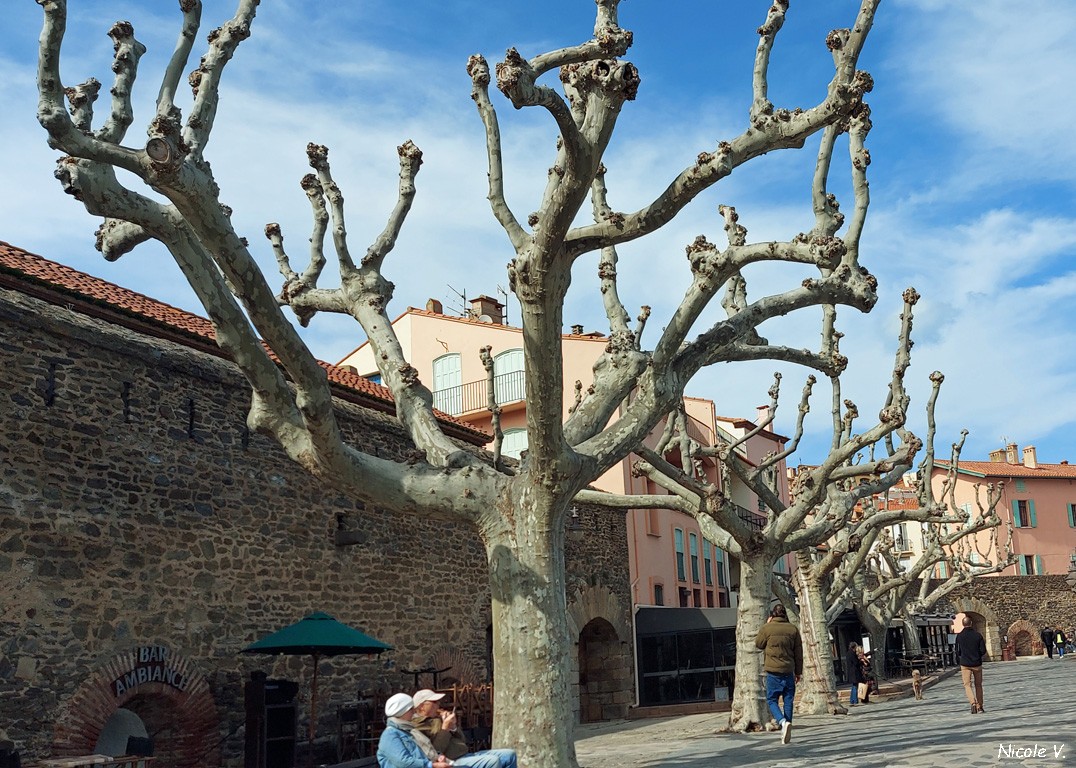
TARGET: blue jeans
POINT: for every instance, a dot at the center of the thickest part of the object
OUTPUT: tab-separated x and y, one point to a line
780	686
488	758
854	697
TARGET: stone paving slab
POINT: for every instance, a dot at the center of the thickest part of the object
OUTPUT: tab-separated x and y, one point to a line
1030	720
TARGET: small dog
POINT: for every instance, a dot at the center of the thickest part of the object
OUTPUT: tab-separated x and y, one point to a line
917	683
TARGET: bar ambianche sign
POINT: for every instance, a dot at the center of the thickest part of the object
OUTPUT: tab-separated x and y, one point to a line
152	664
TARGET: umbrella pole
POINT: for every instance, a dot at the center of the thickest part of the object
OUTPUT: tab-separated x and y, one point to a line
313	714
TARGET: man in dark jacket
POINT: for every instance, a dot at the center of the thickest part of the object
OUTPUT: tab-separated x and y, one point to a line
783	663
1047	637
970	652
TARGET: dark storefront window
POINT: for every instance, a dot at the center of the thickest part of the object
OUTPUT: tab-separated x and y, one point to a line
687	666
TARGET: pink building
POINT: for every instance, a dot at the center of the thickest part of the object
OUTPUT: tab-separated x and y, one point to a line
1038	500
671	564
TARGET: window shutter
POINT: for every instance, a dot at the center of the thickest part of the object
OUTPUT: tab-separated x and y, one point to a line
1038	565
1072	515
1031	511
1023	565
1016	513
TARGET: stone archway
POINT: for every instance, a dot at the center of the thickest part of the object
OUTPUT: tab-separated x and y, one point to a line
163	689
603	684
1024	638
984	620
602	671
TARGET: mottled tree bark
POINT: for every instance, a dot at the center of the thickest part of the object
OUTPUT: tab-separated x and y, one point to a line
819	682
749	709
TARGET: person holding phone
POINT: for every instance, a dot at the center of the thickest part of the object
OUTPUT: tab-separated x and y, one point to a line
442	729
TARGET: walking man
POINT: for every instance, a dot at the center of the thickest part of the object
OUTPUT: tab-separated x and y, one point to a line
1060	641
970	652
1047	637
783	664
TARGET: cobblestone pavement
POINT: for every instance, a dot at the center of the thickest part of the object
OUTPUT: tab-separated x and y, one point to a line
1030	720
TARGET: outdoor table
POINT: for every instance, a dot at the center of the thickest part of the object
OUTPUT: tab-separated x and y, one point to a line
88	761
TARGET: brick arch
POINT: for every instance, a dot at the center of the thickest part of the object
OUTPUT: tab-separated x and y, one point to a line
991	630
603	638
460	668
597	602
1024	637
170	684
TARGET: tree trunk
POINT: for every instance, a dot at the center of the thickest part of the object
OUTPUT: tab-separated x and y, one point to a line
912	644
530	637
749	710
819	682
878	635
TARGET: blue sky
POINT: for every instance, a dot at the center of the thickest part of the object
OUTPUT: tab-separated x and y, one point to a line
972	178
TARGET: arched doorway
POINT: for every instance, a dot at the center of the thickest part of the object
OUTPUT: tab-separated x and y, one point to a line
1023	638
117	731
983	619
600	669
151	685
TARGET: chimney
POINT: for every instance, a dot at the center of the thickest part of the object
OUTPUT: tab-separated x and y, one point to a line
1029	458
433	305
577	330
488	310
762	413
997	456
1010	454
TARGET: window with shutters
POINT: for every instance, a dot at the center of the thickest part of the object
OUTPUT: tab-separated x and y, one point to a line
1030	565
1023	513
509	382
514	443
448	384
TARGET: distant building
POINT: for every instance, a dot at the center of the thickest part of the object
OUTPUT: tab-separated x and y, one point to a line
1038	500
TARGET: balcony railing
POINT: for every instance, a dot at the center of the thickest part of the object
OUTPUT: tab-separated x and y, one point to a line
753	519
474	395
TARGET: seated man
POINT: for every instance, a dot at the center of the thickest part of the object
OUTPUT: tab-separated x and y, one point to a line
401	746
440	727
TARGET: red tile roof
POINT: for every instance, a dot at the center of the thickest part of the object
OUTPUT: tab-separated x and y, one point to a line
1005	469
32	274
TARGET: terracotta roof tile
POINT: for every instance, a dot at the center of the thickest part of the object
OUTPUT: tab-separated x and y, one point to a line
1004	469
30	268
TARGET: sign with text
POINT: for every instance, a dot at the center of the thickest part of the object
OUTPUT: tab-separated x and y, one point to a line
152	664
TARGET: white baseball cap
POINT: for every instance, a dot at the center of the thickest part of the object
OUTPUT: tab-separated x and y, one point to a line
398	704
421	697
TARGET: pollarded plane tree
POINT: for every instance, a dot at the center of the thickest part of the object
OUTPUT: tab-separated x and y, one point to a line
519	515
880	587
819	509
823	574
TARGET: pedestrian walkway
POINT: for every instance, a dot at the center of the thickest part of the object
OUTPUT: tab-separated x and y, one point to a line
1030	720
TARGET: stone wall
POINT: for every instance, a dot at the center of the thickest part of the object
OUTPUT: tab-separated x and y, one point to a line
1012	604
137	511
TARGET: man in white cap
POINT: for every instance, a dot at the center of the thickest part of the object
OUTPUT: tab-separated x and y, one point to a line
400	745
441	729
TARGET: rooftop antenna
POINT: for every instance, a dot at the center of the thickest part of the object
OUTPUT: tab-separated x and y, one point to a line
504	293
464	311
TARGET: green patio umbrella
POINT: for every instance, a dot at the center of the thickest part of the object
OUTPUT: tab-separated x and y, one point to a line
317	635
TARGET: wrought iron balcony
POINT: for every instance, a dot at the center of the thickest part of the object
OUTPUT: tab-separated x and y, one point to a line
753	519
474	395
